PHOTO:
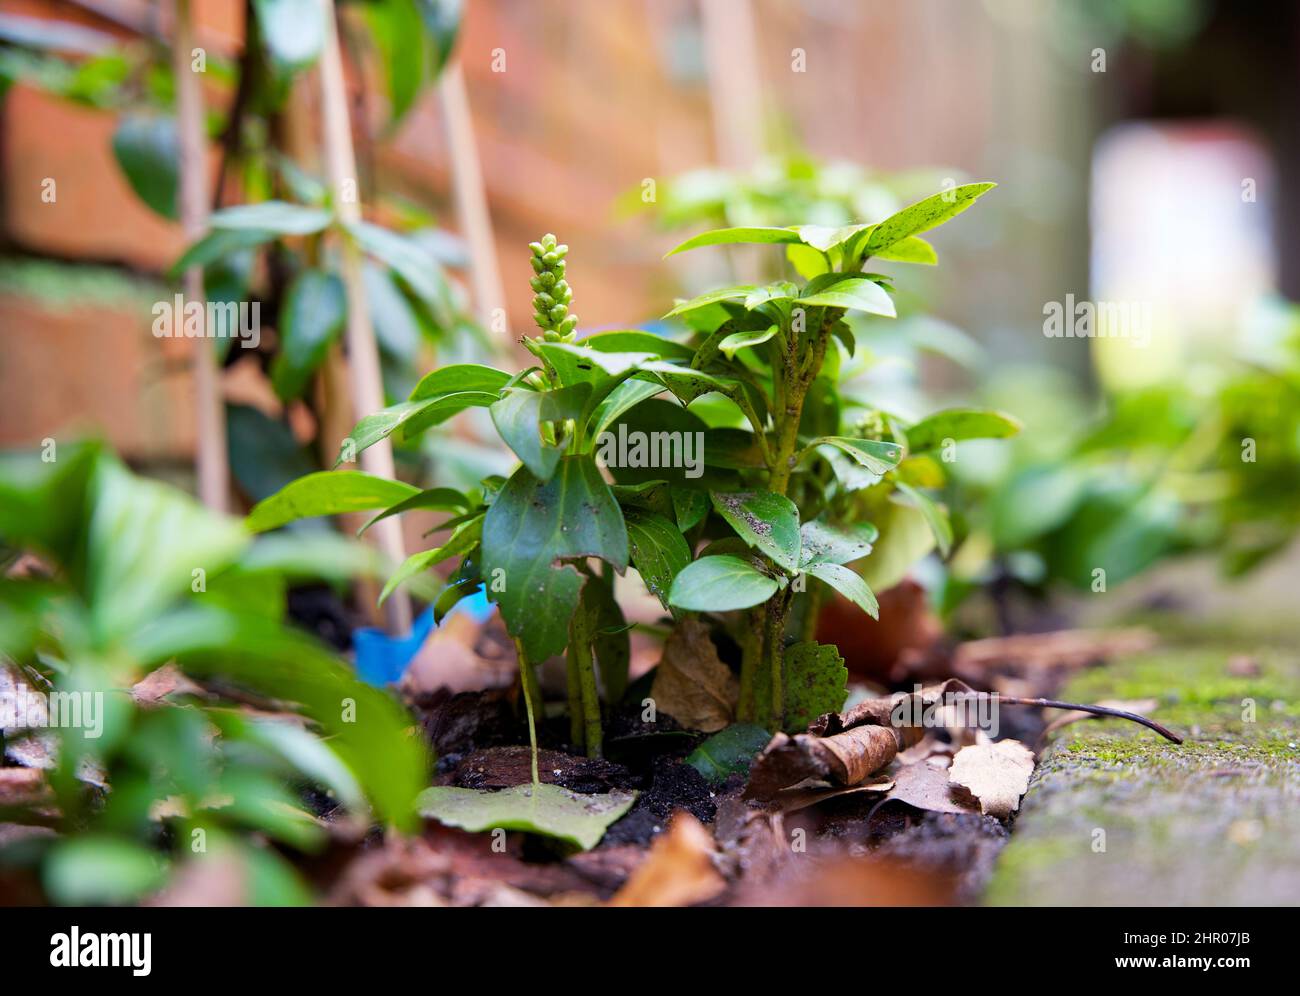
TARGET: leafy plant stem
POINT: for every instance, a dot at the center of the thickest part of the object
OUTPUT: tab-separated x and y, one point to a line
751	649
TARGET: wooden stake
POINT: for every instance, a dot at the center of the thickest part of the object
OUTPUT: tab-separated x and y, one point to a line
471	200
734	81
210	410
363	353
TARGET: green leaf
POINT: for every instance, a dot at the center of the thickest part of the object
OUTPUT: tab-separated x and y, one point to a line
463	539
827	544
279	217
689	507
311	317
935	516
410	261
719	584
825	238
852	291
145	541
460	377
397	32
744	340
658	550
327	492
294	30
958	424
713	297
531	525
437	499
905	537
218	244
86	870
807	261
729	752
411	417
441	24
620	400
849	584
766	521
549	810
371	735
519	417
909	250
638	341
924	215
816	682
147	150
733	236
875	456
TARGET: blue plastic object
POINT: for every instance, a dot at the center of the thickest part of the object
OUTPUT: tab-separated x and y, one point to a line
382	659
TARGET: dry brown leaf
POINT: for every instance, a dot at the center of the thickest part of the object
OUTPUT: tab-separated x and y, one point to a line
691	684
155	686
997	774
794	799
924	785
678	871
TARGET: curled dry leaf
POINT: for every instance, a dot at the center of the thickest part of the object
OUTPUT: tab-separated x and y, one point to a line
846	748
678	871
691	684
997	774
924	785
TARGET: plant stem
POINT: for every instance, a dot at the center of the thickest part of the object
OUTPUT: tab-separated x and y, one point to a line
590	698
574	684
532	693
751	649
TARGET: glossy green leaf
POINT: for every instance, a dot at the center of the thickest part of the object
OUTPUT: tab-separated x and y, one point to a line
851	291
720	584
531	525
311	317
958	424
520	415
148	152
874	456
463	539
823	543
736	293
220	244
327	492
610	643
734	236
737	341
909	250
435	499
729	752
460	377
549	810
410	261
816	682
766	521
825	238
658	550
637	341
849	584
924	215
410	417
689	507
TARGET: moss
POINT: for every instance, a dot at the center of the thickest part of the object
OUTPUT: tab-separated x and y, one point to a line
1116	814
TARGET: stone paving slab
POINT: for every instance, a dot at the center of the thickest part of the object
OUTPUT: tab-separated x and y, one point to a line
1118	816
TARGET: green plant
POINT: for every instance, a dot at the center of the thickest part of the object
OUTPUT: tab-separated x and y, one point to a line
776	503
129	575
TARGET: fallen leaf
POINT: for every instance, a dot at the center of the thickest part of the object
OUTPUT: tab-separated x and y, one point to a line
996	774
678	871
155	686
926	786
729	752
691	684
544	809
792	800
843	759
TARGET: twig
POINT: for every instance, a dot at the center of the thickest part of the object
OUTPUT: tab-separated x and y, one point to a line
1095	710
